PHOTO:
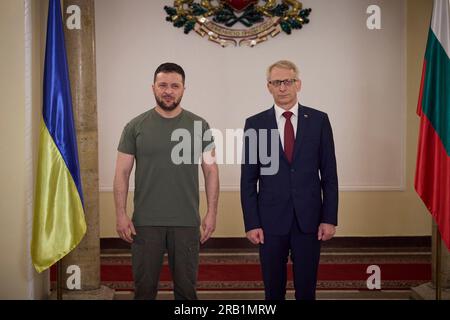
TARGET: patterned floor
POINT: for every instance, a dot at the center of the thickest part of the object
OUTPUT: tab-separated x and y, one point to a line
232	274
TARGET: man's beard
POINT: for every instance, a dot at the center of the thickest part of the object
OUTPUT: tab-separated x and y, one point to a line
168	107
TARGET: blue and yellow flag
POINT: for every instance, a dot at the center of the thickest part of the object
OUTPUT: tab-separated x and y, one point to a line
59	223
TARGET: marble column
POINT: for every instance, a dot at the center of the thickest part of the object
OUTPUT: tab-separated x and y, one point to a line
79	20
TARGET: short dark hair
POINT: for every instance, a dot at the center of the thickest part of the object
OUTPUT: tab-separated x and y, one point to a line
170	67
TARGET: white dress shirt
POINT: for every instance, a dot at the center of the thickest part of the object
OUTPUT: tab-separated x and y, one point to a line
281	120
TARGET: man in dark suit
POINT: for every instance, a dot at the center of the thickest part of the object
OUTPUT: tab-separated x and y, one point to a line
294	208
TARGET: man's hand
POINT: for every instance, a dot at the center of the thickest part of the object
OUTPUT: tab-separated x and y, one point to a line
256	236
125	228
326	231
208	226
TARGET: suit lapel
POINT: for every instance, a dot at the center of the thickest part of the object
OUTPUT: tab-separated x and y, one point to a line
272	124
302	127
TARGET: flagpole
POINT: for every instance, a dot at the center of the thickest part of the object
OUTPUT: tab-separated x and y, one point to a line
438	263
59	278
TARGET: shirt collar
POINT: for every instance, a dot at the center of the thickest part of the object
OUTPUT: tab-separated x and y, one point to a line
279	111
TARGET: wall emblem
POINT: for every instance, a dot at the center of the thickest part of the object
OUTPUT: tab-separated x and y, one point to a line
238	22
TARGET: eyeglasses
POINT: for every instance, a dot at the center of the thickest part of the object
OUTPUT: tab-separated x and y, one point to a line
286	82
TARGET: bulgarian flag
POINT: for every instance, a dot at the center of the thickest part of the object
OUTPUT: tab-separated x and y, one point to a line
432	180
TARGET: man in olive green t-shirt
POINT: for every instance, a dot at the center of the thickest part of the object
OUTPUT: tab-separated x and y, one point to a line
167	143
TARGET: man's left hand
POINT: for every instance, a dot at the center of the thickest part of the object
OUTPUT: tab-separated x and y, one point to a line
326	231
208	226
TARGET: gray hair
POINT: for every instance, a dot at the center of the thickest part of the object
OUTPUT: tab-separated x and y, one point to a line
283	64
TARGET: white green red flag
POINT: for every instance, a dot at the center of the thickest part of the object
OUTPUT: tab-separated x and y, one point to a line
432	181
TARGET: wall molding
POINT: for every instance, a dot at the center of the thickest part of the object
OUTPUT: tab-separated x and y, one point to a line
232	188
422	243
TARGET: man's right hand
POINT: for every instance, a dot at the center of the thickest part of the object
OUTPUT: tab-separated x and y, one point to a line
256	236
125	228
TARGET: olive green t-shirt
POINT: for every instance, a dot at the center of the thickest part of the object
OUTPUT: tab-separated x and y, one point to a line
167	152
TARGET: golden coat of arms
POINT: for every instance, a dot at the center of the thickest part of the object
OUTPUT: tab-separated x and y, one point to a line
222	20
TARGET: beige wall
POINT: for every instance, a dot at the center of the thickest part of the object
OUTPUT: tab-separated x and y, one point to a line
18	280
398	213
13	231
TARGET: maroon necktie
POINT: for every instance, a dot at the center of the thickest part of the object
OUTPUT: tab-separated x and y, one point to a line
288	136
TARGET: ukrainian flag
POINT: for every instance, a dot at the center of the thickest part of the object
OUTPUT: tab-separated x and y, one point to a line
59	223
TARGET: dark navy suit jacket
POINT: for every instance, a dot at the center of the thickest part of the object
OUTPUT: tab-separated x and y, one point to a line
306	190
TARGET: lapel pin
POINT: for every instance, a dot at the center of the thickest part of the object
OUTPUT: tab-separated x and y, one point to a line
306	116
